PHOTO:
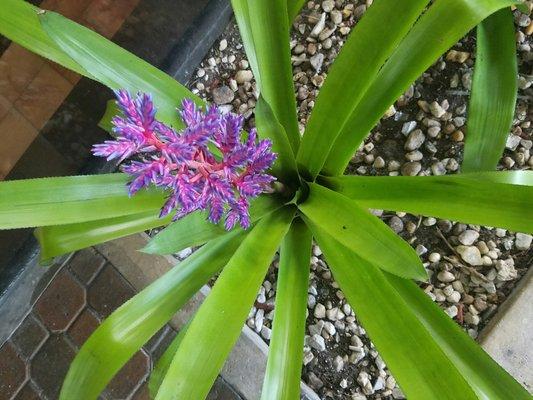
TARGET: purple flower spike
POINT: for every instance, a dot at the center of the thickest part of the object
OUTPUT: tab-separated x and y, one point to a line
184	163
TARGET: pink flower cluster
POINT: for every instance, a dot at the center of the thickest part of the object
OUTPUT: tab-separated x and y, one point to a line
208	165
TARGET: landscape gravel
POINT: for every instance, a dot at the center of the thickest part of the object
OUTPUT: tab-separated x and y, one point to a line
472	269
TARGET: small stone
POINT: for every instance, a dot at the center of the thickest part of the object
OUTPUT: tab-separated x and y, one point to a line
458	136
438	168
336	17
454	297
343	384
436	110
414	140
379	384
421	249
434	257
308	357
408	127
379	163
468	237
320	311
185	253
316	342
266	333
223	45
429	221
434	131
523	241
314	381
457	56
445	276
333	314
506	270
316	61
470	255
411	168
328	5
319	26
243	76
338	363
396	224
500	232
223	95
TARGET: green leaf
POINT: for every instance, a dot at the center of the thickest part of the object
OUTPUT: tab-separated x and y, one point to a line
284	367
62	239
161	368
501	199
111	110
268	127
493	96
417	362
485	376
242	15
65	200
274	62
437	30
361	57
117	68
293	8
195	229
19	21
361	232
136	321
218	323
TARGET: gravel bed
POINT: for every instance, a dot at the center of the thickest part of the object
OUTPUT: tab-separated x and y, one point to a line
472	268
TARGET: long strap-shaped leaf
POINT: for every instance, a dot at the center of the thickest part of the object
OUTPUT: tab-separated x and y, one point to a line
284	367
242	15
115	67
293	8
19	21
420	366
218	323
365	51
64	200
194	229
360	231
62	239
137	320
268	127
270	28
503	199
437	30
163	364
483	374
494	90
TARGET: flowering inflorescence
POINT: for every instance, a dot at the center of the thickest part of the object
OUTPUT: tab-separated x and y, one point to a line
208	165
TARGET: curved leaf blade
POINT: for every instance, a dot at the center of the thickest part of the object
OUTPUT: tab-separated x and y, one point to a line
361	57
501	199
421	367
161	368
136	321
19	21
205	346
494	91
242	15
268	127
483	374
195	229
57	240
437	30
361	232
274	62
65	200
293	8
117	68
285	355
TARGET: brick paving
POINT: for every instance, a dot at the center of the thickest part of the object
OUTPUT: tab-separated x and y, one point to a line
32	88
36	358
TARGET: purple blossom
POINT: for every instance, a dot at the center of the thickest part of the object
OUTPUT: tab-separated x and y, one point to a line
196	176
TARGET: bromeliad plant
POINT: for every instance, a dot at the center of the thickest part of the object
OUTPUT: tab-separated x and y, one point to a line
188	174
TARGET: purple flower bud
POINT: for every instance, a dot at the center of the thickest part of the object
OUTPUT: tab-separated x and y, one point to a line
183	162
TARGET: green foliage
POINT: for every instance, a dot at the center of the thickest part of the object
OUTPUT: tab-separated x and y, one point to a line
431	357
492	102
